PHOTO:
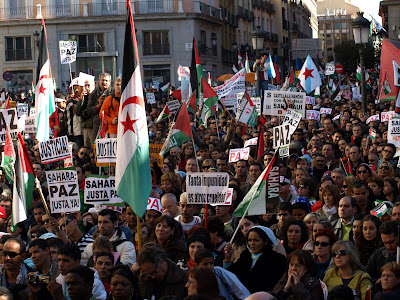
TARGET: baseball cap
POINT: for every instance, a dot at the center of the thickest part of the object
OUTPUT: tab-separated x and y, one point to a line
3	213
304	200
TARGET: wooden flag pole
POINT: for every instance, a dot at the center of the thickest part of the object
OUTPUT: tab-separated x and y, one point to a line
42	196
139	234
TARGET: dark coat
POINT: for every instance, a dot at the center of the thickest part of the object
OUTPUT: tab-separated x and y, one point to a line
376	261
309	288
172	285
266	272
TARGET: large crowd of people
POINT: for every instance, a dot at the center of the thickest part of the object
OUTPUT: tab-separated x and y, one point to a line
334	236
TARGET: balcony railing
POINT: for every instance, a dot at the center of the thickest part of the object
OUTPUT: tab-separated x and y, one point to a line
245	14
228	56
267	36
274	37
20	54
142	7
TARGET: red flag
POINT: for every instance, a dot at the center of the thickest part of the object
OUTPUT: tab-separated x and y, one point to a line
278	76
244	129
177	94
291	81
192	103
260	141
104	126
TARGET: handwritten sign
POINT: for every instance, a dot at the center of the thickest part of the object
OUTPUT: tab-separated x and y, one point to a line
100	190
387	116
207	188
372	118
325	110
313	115
63	191
238	154
54	150
106	151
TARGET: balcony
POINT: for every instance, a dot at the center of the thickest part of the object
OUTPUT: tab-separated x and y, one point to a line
267	36
295	27
245	13
274	37
230	18
269	7
142	7
228	56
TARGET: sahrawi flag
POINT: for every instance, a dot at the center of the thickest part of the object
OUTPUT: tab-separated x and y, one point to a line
386	86
165	89
210	99
23	184
180	133
44	92
309	77
164	114
8	157
257	195
132	174
247	113
366	75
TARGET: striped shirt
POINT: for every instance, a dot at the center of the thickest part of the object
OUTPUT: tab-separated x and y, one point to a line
84	241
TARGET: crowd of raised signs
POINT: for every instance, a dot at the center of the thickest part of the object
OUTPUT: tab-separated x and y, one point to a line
334	235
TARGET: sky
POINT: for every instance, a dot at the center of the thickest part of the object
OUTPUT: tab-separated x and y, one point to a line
369	7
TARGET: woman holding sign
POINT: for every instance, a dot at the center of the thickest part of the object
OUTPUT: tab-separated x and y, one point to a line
251	267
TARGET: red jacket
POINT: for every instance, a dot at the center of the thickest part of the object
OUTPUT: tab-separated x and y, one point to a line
54	121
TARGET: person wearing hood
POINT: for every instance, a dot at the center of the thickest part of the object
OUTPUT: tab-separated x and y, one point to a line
258	257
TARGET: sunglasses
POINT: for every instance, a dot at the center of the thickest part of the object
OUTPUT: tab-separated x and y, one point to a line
46	221
384	168
341	253
10	254
322	244
206	167
345	186
303	186
65	224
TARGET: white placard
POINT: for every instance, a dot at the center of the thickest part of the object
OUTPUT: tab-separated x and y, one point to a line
69	162
310	100
229	90
228	200
325	110
63	191
100	190
154	204
276	103
251	142
22	109
32	111
8	117
281	136
356	93
372	118
151	98
387	116
313	115
393	135
292	118
238	154
173	105
257	103
106	151
207	188
30	124
329	69
54	150
156	85
67	52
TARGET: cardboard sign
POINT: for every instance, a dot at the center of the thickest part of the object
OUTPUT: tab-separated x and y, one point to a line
313	115
100	190
151	98
67	52
356	93
54	150
63	191
337	117
292	118
281	136
325	110
30	126
393	134
231	87
372	118
329	69
155	150
228	200
173	105
106	151
238	154
32	112
154	204
207	188
276	103
251	142
22	109
387	116
8	117
310	100
69	162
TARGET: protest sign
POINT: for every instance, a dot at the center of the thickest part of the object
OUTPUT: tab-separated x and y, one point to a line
30	124
69	162
238	154
387	116
310	100
292	118
151	99
232	86
22	109
118	209
393	135
372	118
54	150
63	191
8	117
313	115
67	52
281	139
207	188
329	69
356	93
251	142
276	103
257	103
106	151
325	110
154	204
100	190
155	150
156	85
173	105
228	200
32	112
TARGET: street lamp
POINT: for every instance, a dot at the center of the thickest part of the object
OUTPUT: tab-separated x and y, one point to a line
257	38
361	28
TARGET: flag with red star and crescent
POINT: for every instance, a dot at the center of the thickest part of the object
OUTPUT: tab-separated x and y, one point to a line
309	77
44	92
132	174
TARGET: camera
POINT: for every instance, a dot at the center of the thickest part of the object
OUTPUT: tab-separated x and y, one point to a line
36	279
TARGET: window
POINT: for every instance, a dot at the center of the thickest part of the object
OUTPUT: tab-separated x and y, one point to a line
18	48
328	26
89	42
156	42
214	47
336	25
155	71
97	64
344	25
203	42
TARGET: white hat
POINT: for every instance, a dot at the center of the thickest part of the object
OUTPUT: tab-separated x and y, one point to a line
58	100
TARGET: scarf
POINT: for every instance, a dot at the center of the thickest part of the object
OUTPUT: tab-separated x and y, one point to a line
254	258
329	211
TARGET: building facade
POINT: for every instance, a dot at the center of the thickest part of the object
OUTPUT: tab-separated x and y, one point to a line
390	13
